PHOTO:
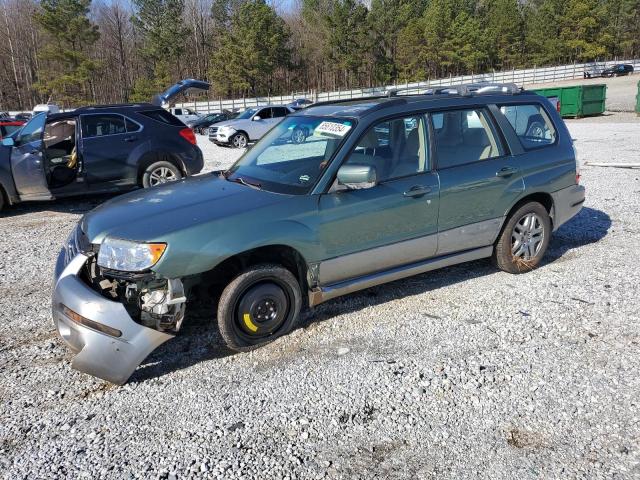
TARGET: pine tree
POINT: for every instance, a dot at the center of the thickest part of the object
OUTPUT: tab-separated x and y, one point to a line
66	66
164	33
251	50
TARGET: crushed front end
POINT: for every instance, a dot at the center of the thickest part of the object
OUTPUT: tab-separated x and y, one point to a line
112	320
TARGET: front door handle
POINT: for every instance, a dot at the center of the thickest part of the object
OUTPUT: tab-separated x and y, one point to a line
417	191
506	171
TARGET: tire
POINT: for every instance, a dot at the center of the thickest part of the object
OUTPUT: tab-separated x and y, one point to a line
1	199
299	135
160	172
239	140
514	255
258	306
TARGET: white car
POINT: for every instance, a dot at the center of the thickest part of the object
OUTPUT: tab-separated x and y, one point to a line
46	108
249	126
185	114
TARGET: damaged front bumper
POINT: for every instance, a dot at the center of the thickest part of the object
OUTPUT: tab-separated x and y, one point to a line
80	315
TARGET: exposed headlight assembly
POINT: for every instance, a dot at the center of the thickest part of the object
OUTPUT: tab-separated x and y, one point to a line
128	256
226	129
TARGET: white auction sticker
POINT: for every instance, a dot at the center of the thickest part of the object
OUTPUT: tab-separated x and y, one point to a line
332	128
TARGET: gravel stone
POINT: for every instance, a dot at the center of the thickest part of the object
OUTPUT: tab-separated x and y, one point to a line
446	377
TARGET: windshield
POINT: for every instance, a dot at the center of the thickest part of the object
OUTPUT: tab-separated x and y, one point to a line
291	157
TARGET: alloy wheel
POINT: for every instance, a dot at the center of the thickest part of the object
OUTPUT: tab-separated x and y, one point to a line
239	141
527	237
161	175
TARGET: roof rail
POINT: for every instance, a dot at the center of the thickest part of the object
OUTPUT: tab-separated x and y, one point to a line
465	90
346	100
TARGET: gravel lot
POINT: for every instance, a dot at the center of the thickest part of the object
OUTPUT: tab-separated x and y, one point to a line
464	372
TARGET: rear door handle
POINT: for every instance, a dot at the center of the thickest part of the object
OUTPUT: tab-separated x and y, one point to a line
417	191
506	171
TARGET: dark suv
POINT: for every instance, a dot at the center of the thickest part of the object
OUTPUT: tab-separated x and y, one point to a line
382	188
97	149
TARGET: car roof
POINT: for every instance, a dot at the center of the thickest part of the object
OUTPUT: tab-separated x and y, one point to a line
435	98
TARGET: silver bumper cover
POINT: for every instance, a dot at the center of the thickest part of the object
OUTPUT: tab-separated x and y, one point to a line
98	354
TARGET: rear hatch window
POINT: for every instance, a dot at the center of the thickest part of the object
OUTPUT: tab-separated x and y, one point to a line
161	115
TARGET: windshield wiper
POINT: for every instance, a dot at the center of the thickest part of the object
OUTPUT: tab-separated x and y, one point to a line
248	184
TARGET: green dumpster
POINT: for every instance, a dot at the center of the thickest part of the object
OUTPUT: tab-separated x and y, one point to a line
578	100
638	99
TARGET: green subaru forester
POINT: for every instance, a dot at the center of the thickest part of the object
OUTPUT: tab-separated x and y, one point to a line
379	189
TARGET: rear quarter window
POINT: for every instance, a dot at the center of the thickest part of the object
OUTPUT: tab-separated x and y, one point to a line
162	116
531	124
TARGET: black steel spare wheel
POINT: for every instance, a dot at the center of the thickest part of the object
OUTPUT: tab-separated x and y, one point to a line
259	305
262	309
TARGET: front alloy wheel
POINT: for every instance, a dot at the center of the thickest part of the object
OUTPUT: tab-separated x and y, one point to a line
239	140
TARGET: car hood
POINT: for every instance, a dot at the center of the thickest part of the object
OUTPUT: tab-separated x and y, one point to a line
150	214
240	123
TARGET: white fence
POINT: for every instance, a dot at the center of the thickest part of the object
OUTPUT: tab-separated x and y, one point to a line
524	77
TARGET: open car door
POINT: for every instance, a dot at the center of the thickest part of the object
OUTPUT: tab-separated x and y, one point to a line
185	87
27	161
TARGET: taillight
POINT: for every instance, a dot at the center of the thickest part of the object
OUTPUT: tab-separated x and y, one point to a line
188	135
558	106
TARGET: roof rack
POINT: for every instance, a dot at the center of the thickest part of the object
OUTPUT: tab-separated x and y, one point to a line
113	105
465	90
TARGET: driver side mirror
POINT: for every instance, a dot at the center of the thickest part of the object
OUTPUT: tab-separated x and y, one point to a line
8	142
357	177
256	118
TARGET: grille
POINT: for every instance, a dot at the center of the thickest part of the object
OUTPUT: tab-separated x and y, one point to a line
213	130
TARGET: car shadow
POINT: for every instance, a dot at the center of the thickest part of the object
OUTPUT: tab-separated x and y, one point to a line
77	205
200	340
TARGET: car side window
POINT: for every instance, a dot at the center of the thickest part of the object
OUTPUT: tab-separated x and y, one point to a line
33	130
279	112
177	111
132	126
531	123
102	125
264	114
396	148
463	136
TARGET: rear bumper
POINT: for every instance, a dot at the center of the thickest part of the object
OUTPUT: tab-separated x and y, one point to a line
566	204
194	163
104	356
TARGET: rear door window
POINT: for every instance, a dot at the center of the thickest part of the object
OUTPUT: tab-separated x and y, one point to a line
102	125
279	112
464	136
531	124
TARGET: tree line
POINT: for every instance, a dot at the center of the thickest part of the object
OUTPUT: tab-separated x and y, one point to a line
75	52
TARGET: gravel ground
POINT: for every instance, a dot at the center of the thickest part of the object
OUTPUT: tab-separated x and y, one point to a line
461	373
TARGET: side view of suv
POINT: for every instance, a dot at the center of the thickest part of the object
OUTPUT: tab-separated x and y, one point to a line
382	188
249	126
101	148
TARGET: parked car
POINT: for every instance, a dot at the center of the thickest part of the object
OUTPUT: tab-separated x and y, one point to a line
5	115
96	149
593	70
618	70
23	116
45	108
202	124
185	115
249	126
9	125
459	177
300	103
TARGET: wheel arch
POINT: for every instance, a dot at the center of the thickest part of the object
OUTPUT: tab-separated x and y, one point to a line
279	254
544	198
149	158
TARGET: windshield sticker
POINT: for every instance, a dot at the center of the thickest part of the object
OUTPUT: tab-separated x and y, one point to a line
332	129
